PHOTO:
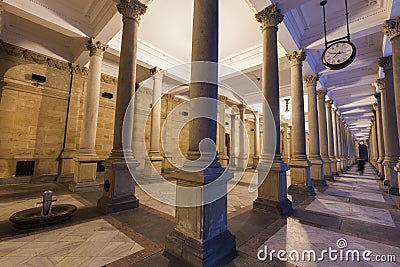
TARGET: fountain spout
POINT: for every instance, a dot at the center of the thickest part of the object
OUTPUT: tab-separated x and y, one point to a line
47	203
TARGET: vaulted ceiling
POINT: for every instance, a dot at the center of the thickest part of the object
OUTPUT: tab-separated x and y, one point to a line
59	28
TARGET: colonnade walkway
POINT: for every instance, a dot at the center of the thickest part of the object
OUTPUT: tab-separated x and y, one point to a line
351	216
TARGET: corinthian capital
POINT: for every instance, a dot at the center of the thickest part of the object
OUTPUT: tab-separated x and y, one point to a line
270	16
381	83
297	57
131	9
321	94
95	47
385	62
311	80
329	103
391	27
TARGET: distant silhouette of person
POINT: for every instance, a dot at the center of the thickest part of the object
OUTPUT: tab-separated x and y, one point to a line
361	164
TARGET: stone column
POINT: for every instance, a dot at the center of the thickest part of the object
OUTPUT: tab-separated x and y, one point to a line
331	136
272	193
299	163
119	187
323	135
243	156
232	154
223	158
86	160
380	135
201	236
391	28
317	167
375	140
256	156
389	121
154	162
336	133
344	144
285	142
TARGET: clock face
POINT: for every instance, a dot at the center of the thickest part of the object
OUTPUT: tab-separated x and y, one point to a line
339	55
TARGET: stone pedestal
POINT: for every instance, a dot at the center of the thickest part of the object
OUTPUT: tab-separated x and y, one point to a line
119	186
208	241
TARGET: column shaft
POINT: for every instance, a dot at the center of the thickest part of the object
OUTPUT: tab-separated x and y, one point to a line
232	154
256	156
331	136
323	135
380	136
299	164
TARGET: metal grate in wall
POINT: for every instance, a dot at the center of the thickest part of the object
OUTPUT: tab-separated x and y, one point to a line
25	168
100	167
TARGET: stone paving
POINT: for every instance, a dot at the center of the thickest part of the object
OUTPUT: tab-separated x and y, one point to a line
353	208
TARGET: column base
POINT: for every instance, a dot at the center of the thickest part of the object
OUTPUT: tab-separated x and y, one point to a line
393	191
223	160
153	166
242	162
318	182
119	185
300	189
198	252
272	193
107	205
84	186
283	207
256	159
317	172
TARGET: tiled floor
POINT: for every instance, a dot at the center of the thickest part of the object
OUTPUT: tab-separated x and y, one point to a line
356	208
93	243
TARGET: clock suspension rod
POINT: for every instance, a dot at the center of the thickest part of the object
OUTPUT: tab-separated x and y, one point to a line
347	21
323	3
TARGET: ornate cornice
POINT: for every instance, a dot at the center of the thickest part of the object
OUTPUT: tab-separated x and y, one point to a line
108	79
33	57
381	83
296	57
83	71
133	9
311	80
321	93
270	16
385	62
96	48
391	27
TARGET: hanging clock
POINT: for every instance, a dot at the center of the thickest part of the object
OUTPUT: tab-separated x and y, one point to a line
339	55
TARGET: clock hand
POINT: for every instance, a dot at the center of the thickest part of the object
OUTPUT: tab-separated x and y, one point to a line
338	53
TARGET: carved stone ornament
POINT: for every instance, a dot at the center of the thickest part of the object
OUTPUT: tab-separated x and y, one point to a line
96	47
108	79
329	103
270	16
391	27
311	80
297	57
381	83
76	69
385	62
131	9
321	93
34	57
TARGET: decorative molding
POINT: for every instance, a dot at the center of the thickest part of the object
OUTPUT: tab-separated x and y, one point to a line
381	83
42	90
391	27
108	79
386	63
33	57
321	94
96	48
133	9
311	80
296	57
270	16
83	71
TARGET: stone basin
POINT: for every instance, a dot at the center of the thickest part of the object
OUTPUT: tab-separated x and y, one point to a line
32	218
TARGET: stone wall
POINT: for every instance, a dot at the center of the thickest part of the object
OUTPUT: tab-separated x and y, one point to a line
33	115
41	122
